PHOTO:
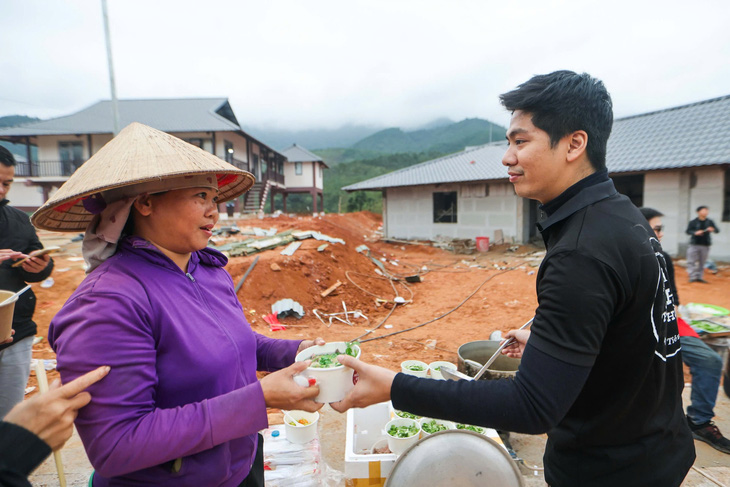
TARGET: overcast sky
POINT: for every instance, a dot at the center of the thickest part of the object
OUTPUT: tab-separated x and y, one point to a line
321	64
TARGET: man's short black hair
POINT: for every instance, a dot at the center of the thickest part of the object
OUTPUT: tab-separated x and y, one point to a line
6	157
650	213
563	102
703	207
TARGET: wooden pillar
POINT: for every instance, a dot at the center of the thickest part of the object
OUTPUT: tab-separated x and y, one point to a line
314	200
30	163
273	197
284	199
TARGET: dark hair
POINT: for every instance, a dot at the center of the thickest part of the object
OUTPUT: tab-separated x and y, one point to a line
561	103
650	213
703	207
6	157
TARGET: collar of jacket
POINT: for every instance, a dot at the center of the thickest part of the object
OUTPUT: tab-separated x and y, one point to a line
4	202
586	197
206	256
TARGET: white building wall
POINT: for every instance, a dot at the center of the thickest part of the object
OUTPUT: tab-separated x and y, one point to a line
303	180
239	145
409	213
677	194
22	195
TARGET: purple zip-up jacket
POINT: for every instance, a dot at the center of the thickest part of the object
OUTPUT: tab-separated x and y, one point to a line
183	369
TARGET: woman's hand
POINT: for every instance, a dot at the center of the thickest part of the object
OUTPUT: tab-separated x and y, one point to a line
50	415
280	390
8	340
310	343
373	385
516	348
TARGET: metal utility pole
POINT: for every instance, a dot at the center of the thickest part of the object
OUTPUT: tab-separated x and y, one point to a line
115	105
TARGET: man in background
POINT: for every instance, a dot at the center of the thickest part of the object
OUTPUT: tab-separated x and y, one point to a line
704	363
17	239
699	244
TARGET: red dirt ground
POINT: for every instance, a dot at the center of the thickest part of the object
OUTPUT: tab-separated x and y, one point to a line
506	300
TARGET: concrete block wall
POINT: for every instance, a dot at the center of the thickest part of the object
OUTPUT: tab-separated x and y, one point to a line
408	213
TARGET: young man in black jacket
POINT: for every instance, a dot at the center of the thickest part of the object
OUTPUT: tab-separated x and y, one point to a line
17	239
700	230
600	372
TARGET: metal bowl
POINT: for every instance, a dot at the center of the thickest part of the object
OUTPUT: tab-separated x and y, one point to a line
480	351
455	458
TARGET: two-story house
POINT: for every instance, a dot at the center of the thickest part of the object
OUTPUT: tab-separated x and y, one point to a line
303	173
64	143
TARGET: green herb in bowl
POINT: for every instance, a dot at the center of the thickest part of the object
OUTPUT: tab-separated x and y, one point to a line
416	368
403	431
468	427
329	360
407	415
432	426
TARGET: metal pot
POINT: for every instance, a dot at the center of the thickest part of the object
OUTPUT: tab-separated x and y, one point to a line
480	351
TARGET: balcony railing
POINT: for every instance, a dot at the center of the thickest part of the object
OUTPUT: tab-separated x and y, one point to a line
66	168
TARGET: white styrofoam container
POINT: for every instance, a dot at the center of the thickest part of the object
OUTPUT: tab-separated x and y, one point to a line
365	427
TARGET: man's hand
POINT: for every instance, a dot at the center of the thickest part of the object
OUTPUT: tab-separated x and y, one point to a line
6	254
51	415
373	385
699	232
710	229
34	265
8	340
516	348
280	390
310	343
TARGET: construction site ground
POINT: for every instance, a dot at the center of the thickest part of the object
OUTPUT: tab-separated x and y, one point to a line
501	283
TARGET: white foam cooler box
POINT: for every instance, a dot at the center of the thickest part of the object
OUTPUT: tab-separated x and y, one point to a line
364	429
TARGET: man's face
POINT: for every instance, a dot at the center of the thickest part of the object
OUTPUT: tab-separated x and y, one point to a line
533	166
7	173
656	225
703	213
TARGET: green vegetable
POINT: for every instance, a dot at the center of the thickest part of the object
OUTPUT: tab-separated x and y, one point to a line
437	368
475	429
709	327
329	360
432	426
416	368
404	414
403	431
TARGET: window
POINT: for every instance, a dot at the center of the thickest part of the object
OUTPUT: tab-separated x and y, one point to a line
72	156
444	207
726	199
205	144
475	191
228	151
298	168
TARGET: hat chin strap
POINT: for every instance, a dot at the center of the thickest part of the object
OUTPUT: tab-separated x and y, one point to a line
102	234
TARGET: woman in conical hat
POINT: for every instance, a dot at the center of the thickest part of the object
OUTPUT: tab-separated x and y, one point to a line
182	404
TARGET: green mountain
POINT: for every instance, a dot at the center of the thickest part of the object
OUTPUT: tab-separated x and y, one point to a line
15	120
445	139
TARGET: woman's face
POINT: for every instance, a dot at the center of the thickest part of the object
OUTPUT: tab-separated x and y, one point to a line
179	221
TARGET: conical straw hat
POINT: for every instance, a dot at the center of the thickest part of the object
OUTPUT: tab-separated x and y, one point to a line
138	154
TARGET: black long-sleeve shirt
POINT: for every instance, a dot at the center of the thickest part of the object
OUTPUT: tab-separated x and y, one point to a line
20	453
697	224
601	372
17	233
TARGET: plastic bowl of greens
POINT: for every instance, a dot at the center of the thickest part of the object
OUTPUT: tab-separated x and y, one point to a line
334	379
414	367
430	426
401	434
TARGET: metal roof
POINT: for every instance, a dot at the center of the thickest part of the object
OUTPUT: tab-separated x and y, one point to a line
476	164
691	135
297	153
167	115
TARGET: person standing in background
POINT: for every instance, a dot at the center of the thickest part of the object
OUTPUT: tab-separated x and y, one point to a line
699	244
17	239
704	363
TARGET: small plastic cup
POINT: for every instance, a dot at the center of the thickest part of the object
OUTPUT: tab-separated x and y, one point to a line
414	367
6	315
399	445
435	368
304	427
335	382
448	425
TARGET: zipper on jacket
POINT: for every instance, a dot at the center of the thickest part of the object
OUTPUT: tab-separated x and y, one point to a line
190	276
